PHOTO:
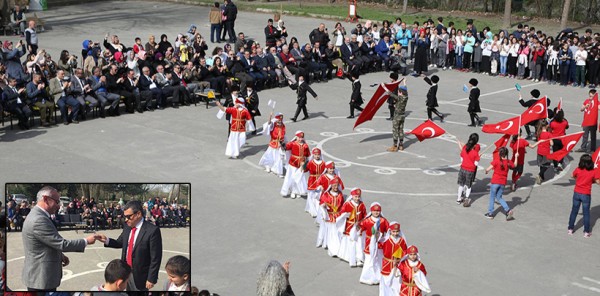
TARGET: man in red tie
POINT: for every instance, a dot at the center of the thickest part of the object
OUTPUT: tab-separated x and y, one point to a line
141	242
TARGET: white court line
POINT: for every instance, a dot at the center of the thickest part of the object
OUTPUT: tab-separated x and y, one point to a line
494	92
586	287
372	155
591	280
66	278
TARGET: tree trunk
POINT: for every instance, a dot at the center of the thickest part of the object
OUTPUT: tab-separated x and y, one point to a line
485	6
565	15
507	12
404	5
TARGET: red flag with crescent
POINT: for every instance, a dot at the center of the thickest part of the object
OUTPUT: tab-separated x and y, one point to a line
508	127
596	158
539	110
569	141
427	130
377	100
559	106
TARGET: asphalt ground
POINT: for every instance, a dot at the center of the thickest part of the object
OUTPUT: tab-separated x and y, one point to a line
240	221
87	269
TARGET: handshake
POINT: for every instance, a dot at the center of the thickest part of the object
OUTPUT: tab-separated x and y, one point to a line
95	237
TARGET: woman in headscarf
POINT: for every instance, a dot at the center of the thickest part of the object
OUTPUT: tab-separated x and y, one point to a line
94	59
132	63
164	44
151	46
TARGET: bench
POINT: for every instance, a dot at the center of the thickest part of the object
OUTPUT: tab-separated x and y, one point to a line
207	98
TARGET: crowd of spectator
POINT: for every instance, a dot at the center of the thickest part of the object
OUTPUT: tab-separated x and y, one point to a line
103	216
145	74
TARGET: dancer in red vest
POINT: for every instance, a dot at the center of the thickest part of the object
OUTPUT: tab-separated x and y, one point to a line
295	179
273	158
394	248
375	226
412	274
353	211
315	167
239	116
331	202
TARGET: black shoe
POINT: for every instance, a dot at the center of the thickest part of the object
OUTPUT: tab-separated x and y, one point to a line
389	118
75	122
479	122
472	124
349	117
149	109
176	106
160	108
305	118
139	110
489	216
293	119
442	118
66	123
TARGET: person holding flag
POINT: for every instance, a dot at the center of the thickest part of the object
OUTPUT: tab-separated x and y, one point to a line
390	101
393	249
590	122
469	155
543	150
400	100
535	94
374	226
274	157
558	126
353	211
501	166
295	179
518	145
585	175
315	167
237	133
412	274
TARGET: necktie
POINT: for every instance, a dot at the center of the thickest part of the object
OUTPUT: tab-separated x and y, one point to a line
130	247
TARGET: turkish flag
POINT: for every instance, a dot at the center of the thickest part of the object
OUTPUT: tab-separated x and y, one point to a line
427	130
596	159
508	127
559	106
377	100
590	114
569	142
539	110
502	142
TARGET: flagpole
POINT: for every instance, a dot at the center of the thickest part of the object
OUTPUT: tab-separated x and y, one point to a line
519	133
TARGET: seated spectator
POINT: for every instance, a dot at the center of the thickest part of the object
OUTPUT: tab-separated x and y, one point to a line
15	103
94	60
118	217
151	46
384	49
100	91
17	20
67	62
185	90
82	91
157	215
238	70
149	89
115	45
116	276
178	271
71	209
252	70
36	92
58	90
35	62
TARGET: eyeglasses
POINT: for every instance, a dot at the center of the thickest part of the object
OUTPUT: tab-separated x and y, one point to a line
128	217
55	200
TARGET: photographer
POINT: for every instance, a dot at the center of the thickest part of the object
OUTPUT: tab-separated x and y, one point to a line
67	62
12	60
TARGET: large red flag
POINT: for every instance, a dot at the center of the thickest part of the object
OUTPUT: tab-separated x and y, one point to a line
539	110
590	114
502	142
427	130
569	141
508	127
377	100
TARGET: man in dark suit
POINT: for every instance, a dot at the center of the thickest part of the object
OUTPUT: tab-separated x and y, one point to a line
141	242
130	88
14	104
349	56
149	89
301	88
82	91
36	92
356	98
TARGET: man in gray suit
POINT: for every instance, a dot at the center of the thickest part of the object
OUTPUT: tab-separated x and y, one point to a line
44	246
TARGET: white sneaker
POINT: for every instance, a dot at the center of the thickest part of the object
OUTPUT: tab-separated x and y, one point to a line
267	169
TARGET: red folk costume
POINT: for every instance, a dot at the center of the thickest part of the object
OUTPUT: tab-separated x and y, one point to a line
237	135
295	179
408	287
332	202
352	213
393	249
273	158
356	212
371	273
314	168
324	179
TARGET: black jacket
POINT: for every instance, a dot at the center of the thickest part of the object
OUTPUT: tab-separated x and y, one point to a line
431	94
474	101
301	91
251	102
356	98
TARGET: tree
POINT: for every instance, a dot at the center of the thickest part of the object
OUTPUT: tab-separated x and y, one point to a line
404	4
565	15
507	12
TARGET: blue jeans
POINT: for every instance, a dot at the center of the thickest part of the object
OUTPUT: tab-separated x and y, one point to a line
459	64
215	29
503	60
496	191
579	199
63	102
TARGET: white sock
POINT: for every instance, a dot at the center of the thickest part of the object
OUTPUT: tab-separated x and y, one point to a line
467	191
460	192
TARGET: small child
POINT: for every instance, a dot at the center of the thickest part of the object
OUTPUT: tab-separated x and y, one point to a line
543	150
431	101
501	167
584	176
116	275
518	145
178	269
356	98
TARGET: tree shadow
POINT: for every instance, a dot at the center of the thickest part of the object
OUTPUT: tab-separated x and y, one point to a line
594	217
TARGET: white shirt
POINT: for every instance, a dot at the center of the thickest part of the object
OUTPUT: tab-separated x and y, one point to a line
18	98
137	232
152	84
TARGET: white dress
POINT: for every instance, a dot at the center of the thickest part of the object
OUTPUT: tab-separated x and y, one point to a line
294	181
273	158
371	272
351	245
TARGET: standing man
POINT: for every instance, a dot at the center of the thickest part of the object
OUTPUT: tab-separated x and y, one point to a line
31	38
271	34
215	23
400	100
141	245
301	88
230	14
43	245
589	124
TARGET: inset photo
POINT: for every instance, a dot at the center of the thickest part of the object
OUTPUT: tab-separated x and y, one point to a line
97	237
